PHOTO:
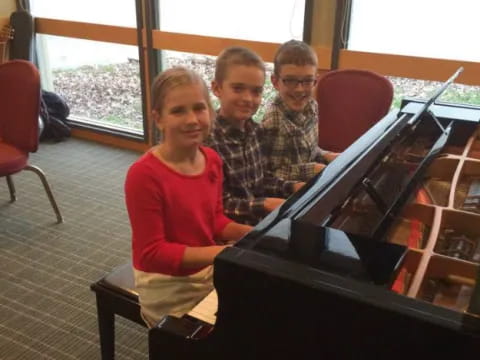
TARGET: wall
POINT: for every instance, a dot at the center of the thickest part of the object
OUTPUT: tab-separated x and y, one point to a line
6	8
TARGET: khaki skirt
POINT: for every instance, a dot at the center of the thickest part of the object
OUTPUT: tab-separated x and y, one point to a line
161	294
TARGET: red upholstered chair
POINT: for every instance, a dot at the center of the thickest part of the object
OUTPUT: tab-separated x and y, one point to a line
19	111
349	103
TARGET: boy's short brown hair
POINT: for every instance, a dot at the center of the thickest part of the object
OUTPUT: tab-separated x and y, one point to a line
236	55
294	52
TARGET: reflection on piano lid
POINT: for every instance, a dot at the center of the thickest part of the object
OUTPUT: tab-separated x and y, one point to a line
335	251
313	278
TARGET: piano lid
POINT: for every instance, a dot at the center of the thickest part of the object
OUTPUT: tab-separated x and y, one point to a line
414	138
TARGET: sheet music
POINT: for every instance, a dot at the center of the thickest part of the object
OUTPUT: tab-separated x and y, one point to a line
206	309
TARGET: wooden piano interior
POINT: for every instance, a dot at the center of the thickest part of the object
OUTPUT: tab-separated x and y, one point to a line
440	227
439	223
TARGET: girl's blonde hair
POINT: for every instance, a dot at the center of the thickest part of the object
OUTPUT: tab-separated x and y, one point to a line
172	78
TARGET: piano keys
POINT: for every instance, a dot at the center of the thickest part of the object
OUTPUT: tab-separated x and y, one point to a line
206	310
376	257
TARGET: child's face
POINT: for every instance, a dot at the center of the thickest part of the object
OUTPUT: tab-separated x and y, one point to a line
240	93
295	85
185	118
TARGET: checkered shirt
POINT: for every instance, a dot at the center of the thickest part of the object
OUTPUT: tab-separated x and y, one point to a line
246	180
291	140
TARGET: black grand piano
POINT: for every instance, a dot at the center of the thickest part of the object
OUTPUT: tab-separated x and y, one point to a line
376	257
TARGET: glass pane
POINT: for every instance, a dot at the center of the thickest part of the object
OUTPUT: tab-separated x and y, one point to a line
423	89
100	81
106	12
427	28
204	65
265	20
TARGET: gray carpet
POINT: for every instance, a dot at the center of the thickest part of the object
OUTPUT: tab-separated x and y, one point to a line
47	310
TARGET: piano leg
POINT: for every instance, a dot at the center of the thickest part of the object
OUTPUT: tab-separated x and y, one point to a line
167	343
154	347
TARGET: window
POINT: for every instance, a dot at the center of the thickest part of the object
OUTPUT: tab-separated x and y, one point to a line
427	28
265	20
100	81
91	11
423	89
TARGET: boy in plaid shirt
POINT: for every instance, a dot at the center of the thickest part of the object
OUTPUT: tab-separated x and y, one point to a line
291	121
250	191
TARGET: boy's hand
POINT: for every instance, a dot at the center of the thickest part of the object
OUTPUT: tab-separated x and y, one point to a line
318	167
297	186
330	156
271	204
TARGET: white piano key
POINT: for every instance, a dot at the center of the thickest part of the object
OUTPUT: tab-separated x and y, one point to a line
206	309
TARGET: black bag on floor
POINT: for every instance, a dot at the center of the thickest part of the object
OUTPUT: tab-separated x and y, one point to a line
54	112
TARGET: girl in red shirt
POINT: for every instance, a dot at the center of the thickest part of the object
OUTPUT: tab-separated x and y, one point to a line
174	201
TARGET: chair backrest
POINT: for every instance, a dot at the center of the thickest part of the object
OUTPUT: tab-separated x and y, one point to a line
349	103
19	104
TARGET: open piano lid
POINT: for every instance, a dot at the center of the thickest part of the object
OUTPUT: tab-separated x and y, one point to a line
309	239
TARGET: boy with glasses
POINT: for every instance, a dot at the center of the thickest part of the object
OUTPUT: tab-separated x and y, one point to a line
291	121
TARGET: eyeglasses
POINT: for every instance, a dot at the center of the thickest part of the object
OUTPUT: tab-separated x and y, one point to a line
293	83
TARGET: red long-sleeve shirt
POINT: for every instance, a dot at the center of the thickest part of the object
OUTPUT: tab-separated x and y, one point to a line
169	211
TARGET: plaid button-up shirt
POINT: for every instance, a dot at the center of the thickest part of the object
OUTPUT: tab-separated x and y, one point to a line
291	140
246	180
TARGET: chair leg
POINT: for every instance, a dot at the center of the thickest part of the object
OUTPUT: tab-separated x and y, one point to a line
11	188
106	330
43	178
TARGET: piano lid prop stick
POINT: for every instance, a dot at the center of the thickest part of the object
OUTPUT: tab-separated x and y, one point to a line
434	98
442	129
372	192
